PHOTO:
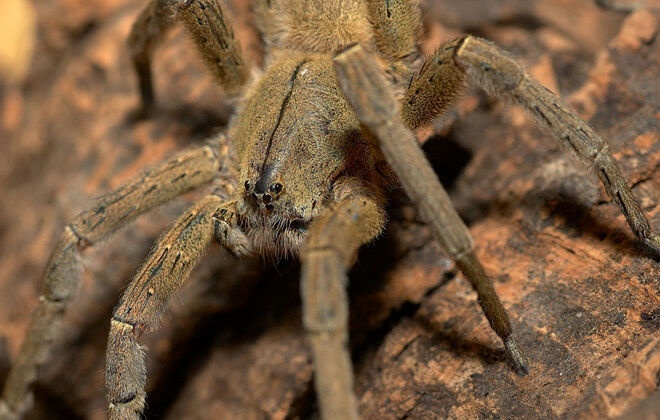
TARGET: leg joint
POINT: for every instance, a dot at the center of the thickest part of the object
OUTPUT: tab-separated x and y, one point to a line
126	325
491	67
603	152
463	252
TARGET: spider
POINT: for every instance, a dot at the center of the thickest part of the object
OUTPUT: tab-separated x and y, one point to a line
319	136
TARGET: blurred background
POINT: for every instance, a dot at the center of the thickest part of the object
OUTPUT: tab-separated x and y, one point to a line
582	293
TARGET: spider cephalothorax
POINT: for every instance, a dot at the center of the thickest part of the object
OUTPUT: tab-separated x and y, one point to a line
289	164
316	140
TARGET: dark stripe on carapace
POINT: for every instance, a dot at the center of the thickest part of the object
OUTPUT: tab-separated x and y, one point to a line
260	186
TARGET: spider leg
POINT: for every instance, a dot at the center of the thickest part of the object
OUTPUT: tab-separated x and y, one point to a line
397	26
150	27
433	87
145	299
211	32
499	74
333	242
441	77
373	101
265	18
61	281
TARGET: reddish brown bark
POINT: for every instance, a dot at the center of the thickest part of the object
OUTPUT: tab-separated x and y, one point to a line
582	293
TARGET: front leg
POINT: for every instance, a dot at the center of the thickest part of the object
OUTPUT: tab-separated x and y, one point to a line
331	248
144	301
213	34
61	280
372	99
501	75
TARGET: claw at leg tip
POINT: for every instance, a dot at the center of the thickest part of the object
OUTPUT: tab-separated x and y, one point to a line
516	356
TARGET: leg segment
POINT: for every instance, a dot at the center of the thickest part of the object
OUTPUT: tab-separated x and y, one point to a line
433	88
397	25
211	31
143	303
442	75
61	280
332	245
375	106
499	74
213	35
227	232
148	30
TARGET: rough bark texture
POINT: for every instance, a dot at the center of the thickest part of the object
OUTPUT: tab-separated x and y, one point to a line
582	294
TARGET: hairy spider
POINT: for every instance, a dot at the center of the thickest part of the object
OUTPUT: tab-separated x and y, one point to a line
320	134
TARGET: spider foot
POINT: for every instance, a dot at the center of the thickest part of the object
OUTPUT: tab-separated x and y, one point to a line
516	356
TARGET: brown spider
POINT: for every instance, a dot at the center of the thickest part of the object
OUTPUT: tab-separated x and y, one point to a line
319	136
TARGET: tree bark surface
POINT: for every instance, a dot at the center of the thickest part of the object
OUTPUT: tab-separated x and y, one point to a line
583	294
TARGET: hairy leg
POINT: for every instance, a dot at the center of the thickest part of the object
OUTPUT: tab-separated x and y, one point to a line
332	244
213	34
372	99
397	26
265	13
211	31
143	303
61	280
432	88
499	74
443	74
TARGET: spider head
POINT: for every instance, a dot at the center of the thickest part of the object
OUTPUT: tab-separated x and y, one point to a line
294	134
274	213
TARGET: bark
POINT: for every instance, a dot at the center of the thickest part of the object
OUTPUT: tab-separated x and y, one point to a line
582	293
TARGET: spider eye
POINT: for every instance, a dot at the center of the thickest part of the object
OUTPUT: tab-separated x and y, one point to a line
276	187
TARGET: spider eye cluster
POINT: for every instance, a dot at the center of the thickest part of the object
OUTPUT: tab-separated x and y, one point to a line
266	196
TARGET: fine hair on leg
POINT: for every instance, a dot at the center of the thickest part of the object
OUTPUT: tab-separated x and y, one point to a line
495	71
144	301
333	241
173	177
366	89
213	34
